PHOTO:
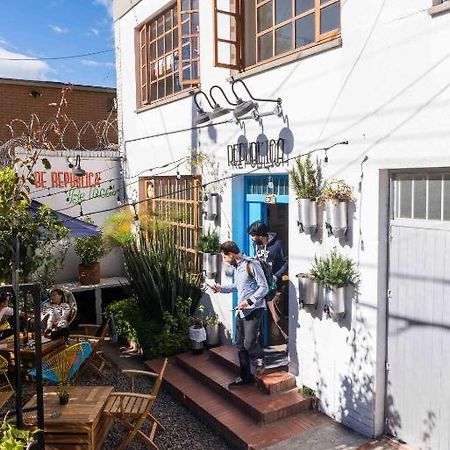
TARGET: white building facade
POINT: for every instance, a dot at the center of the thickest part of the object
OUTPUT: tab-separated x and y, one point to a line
375	74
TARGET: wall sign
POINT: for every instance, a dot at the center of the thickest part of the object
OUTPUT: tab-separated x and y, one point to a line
267	153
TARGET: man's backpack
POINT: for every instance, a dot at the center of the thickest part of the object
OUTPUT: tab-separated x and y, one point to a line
267	269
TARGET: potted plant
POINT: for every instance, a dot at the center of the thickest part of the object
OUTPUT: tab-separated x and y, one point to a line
62	389
209	245
197	332
90	249
335	272
306	179
335	196
212	324
308	289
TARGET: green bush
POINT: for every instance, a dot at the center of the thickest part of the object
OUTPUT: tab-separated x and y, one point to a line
334	270
90	249
306	179
209	242
13	438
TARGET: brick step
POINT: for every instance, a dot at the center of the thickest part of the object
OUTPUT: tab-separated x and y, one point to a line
227	356
263	408
229	421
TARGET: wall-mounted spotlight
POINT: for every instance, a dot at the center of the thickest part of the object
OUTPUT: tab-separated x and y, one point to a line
202	116
77	170
244	107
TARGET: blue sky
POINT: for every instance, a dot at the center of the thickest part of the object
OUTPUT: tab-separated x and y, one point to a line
54	28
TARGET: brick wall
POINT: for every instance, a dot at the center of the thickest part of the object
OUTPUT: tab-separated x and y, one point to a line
85	104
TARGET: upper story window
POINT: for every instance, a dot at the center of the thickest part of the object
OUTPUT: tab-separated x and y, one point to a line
169	55
273	29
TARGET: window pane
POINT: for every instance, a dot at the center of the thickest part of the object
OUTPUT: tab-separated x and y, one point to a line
186	49
185	24
153	30
447	198
194	4
187	71
168	39
169	85
194	70
177	85
160	46
195	24
304	31
265	17
169	63
175	17
185	5
330	18
195	49
420	198
405	198
283	10
265	43
161	85
160	26
168	18
283	39
153	93
302	6
153	51
434	198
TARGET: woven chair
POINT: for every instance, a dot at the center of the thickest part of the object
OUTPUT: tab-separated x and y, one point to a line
133	409
68	298
4	373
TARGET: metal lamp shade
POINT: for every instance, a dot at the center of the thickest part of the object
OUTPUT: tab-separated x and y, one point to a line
218	111
243	108
335	298
202	117
307	215
210	264
336	217
212	206
308	289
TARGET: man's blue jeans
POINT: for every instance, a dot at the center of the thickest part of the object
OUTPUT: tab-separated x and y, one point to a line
248	342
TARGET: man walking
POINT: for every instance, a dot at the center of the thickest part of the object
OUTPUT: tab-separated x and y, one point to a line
269	248
251	286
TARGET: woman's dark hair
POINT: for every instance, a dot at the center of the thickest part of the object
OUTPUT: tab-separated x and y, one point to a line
229	247
258	228
58	291
4	297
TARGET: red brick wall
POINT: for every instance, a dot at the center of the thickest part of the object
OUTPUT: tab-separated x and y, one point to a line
83	105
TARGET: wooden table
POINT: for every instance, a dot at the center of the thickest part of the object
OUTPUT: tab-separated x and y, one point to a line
79	425
28	352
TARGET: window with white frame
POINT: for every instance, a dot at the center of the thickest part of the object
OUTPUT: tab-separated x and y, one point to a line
424	196
169	55
273	29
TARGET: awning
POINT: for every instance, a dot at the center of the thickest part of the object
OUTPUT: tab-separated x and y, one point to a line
77	228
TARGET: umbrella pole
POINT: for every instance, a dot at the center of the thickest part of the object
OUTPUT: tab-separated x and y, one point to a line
17	356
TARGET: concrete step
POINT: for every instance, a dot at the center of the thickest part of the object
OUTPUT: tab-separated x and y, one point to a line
262	408
226	418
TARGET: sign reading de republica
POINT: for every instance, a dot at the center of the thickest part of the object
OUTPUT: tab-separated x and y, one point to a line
266	153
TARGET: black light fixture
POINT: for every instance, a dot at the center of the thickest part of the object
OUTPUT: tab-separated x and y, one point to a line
77	170
245	107
218	110
202	116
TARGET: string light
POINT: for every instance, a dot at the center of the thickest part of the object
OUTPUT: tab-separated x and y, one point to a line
81	210
178	175
270	184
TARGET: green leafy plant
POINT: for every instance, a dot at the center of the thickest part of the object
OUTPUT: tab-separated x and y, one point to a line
308	391
198	319
117	230
209	242
90	249
306	179
336	190
159	272
212	319
12	438
62	388
334	270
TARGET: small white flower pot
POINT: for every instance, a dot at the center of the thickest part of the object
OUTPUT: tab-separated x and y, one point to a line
307	215
336	217
335	299
210	264
211	206
308	289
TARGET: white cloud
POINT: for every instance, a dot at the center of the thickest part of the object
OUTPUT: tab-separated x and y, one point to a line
3	41
27	70
108	4
58	29
92	63
94	31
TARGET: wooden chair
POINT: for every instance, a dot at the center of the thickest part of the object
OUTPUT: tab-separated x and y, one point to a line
97	362
133	409
4	373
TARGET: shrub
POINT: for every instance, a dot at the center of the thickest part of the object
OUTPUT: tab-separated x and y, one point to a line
209	242
306	179
336	190
334	270
118	229
90	249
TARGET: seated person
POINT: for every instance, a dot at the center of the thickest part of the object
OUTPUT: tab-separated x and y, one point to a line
56	312
5	313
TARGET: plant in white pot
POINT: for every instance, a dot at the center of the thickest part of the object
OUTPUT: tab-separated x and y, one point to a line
212	325
90	249
336	273
306	180
335	196
209	245
197	332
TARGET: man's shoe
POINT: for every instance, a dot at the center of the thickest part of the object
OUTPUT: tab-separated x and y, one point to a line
241	382
260	366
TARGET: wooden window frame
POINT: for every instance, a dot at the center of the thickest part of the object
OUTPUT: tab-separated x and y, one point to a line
154	70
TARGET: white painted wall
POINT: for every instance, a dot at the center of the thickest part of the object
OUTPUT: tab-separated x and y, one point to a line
60	197
386	91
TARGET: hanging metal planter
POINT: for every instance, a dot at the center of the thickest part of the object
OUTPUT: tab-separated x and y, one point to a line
336	217
308	289
307	215
210	264
212	335
335	300
211	205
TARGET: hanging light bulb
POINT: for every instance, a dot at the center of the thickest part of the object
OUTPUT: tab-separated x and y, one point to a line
119	201
270	184
81	210
325	159
178	175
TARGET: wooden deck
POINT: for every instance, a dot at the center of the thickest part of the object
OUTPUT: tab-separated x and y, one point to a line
79	425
